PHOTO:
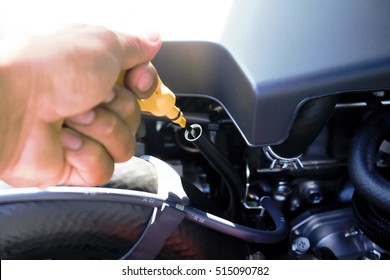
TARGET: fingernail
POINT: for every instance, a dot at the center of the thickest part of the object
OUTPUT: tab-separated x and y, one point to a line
83	118
153	36
145	81
110	97
70	140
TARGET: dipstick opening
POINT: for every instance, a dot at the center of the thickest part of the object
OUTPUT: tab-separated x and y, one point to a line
193	132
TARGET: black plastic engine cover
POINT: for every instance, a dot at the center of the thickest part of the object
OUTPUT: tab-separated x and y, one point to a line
274	56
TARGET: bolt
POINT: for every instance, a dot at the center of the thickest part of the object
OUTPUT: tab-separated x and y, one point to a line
283	190
314	197
312	192
295	203
300	245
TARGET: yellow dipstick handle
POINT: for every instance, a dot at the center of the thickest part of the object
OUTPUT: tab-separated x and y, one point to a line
160	103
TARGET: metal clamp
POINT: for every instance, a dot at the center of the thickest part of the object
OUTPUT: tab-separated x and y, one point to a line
284	162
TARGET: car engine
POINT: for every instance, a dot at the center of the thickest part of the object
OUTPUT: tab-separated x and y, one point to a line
286	152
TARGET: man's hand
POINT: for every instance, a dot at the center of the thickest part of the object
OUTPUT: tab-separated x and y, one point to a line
62	118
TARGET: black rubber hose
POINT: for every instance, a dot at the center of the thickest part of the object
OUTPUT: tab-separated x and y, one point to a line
309	122
242	232
372	221
365	176
233	182
222	166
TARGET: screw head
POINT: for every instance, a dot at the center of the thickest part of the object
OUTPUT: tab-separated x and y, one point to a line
311	191
314	196
300	245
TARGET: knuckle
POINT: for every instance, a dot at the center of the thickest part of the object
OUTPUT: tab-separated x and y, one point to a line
104	34
131	112
136	46
103	170
103	177
127	150
110	125
131	107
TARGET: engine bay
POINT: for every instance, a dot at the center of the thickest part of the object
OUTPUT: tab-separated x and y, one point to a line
316	197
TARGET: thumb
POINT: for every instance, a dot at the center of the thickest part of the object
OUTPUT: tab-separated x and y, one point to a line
138	48
89	73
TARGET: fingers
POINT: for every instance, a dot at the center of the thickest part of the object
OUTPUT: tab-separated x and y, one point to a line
125	105
141	80
87	162
109	130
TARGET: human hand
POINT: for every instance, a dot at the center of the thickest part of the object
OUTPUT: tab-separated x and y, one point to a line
62	118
